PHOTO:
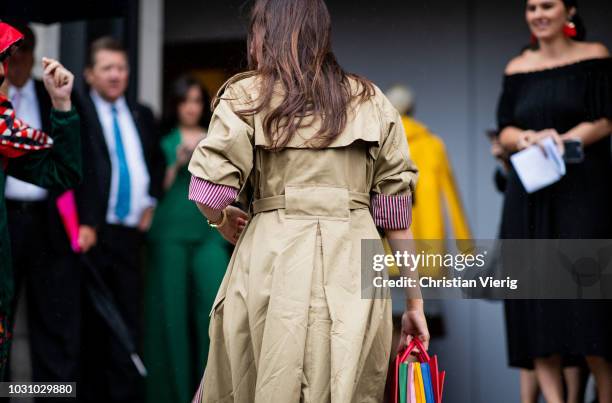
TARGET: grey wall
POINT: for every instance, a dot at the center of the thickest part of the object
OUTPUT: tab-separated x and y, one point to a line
453	54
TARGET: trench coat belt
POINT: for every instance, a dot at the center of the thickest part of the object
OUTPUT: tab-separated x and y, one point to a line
356	201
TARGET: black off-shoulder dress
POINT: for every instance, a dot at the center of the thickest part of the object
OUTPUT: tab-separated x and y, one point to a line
578	206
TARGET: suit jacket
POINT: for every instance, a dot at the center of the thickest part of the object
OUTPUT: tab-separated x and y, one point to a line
93	194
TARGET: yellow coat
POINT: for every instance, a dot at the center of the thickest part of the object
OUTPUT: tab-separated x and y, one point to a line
436	196
436	185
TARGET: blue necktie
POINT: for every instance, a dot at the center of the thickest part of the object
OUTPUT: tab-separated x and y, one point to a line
122	208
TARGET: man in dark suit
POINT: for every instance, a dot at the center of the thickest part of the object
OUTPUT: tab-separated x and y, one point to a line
42	258
123	176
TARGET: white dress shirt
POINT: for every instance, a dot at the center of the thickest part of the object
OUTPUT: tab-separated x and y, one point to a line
25	103
139	175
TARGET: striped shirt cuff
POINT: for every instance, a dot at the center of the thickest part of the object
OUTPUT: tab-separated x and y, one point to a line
216	197
392	212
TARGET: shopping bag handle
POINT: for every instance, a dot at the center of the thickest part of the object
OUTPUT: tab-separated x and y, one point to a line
403	356
415	344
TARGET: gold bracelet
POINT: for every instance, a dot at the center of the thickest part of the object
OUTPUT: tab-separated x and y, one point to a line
223	220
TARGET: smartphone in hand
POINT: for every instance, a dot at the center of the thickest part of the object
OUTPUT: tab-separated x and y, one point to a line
574	151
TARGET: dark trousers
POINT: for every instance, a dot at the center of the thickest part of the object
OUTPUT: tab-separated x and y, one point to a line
110	375
52	281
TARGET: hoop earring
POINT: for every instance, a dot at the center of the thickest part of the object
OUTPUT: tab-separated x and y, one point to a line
569	30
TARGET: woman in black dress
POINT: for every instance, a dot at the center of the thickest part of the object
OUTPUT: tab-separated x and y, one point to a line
560	88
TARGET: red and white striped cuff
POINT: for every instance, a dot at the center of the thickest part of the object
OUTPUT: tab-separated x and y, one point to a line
392	212
216	197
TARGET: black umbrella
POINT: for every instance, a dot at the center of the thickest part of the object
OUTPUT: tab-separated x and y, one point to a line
104	303
49	12
99	293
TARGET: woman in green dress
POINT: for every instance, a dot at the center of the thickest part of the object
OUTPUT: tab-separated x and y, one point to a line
187	262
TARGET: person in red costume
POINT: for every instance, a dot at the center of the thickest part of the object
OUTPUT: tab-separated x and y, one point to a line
51	160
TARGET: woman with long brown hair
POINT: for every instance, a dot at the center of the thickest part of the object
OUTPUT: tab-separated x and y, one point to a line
323	155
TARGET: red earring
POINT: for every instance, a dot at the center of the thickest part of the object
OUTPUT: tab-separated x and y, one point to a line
533	40
569	29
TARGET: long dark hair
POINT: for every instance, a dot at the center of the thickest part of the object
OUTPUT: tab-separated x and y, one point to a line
290	44
178	94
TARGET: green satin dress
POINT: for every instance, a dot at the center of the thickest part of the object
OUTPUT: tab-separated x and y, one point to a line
57	169
186	263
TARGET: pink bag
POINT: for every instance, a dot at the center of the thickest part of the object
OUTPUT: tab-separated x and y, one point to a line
66	206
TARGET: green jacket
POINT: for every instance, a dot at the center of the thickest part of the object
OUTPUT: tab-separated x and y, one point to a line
58	168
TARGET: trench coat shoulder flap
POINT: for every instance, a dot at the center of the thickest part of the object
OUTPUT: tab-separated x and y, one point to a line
366	122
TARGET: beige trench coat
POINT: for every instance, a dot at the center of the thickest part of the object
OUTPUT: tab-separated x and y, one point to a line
289	323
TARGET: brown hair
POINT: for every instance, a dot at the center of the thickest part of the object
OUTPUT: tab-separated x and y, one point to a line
178	94
290	45
104	43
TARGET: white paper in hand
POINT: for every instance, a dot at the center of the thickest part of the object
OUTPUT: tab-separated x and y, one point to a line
539	167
